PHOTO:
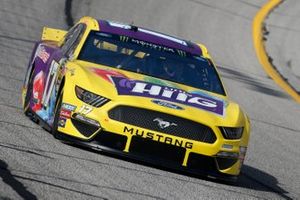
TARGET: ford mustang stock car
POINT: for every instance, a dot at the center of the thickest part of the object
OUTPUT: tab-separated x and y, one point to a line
136	92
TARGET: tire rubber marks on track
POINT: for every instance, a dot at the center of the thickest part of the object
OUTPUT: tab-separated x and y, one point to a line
262	56
16	148
68	13
23	126
17	39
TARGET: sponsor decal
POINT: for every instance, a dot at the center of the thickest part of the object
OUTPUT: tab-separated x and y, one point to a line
150	45
62	122
65	113
125	86
37	91
124	38
67	106
163	124
181	53
47	113
43	54
166	104
157	137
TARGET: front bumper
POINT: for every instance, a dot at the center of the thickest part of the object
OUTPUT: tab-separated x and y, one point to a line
114	144
197	157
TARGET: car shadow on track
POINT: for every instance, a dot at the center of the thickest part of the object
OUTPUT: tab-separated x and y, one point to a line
256	179
250	177
13	182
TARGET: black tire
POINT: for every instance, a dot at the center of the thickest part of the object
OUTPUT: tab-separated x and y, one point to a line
57	113
28	93
27	110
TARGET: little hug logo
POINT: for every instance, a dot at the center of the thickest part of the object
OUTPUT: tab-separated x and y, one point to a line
166	104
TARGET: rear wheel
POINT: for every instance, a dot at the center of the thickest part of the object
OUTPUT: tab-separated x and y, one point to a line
27	110
57	114
28	92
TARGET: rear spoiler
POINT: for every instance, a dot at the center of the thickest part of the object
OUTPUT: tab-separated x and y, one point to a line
53	34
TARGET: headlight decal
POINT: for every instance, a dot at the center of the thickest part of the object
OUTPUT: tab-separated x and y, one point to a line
232	133
99	101
90	98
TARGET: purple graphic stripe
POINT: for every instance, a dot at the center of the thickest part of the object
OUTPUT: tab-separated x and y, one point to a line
192	48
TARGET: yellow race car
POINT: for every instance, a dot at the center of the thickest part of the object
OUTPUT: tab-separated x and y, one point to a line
136	92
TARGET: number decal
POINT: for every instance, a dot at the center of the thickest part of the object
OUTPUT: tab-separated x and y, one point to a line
85	109
51	78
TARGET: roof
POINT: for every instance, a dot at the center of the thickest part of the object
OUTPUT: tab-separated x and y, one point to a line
149	36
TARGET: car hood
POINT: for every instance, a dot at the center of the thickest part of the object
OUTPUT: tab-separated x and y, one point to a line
133	89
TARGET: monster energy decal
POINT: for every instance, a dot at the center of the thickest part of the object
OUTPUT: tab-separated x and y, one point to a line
124	38
151	45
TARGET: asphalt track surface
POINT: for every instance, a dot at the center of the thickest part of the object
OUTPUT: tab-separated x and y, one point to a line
33	165
283	41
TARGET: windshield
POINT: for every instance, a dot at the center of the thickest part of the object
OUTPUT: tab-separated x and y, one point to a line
151	59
